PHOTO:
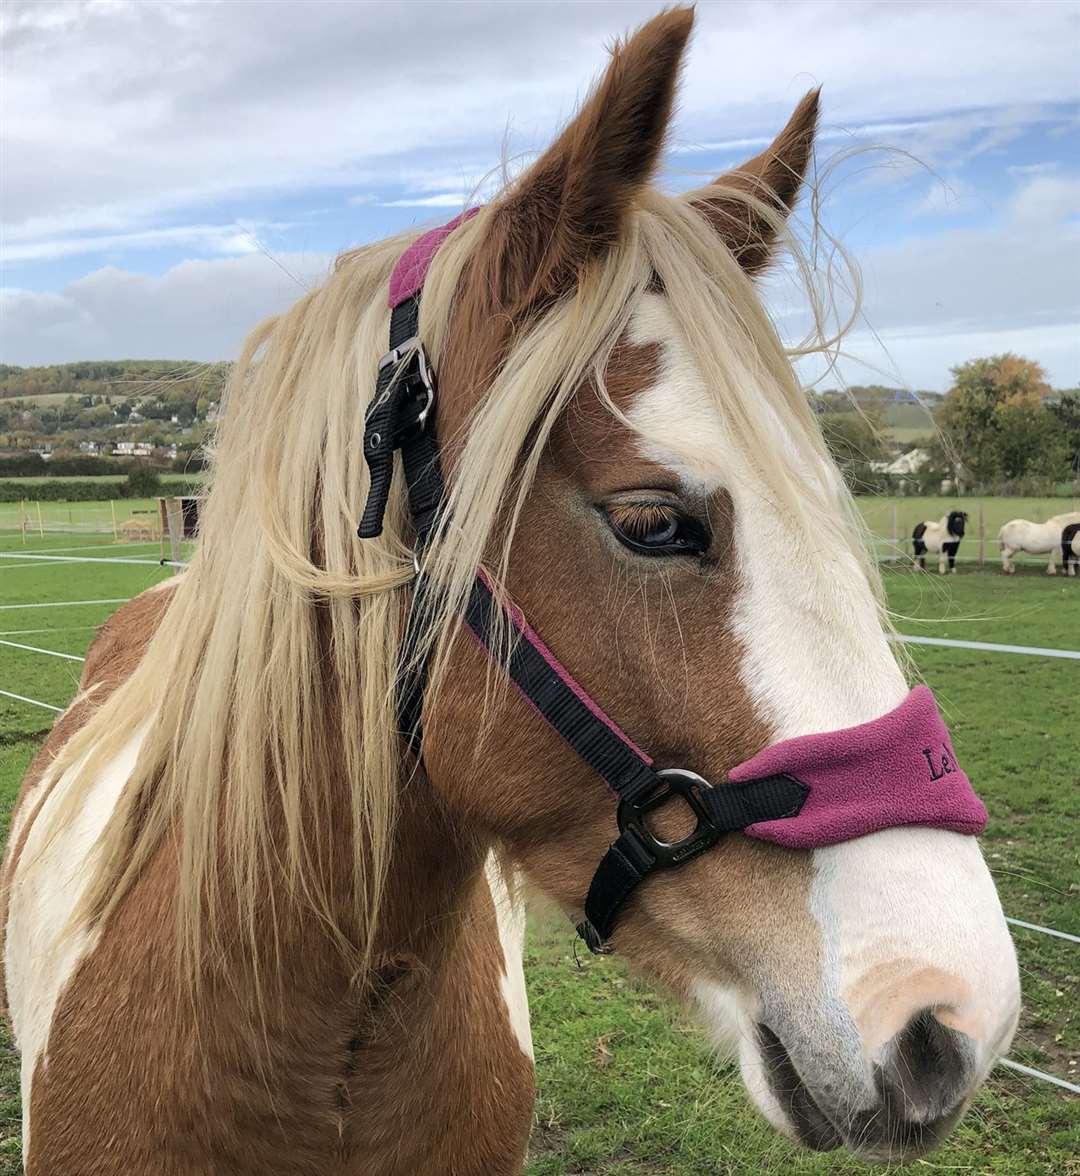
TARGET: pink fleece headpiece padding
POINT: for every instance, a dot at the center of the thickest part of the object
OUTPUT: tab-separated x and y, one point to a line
899	769
412	266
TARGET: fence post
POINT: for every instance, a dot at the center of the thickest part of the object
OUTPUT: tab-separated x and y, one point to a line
895	556
40	524
115	533
22	519
982	537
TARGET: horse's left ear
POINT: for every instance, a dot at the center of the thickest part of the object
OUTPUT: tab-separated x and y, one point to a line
571	206
773	177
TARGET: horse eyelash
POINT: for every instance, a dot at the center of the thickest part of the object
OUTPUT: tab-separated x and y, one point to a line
637	519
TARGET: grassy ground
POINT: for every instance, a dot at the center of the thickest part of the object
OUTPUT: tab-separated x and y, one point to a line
35	526
626	1085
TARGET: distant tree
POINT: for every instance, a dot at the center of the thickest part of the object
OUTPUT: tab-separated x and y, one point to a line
992	420
854	440
1028	442
1066	410
143	482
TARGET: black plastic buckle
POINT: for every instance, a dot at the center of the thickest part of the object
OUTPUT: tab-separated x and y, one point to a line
676	782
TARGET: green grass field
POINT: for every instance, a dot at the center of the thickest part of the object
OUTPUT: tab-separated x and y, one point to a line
626	1084
170	479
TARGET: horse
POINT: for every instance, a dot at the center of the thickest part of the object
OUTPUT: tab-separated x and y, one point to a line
1034	538
249	930
1070	549
941	539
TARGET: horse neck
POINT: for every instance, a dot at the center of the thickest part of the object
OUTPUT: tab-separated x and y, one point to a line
434	866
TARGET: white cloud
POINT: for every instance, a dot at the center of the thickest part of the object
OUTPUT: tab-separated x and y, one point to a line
947	197
932	301
175	105
1034	169
923	360
1047	199
439	200
216	238
154	124
197	310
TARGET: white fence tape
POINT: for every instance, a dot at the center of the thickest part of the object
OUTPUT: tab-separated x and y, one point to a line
1043	930
47	652
32	701
87	559
989	646
66	603
1065	1085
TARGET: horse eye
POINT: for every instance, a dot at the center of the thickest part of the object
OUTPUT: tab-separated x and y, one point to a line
650	528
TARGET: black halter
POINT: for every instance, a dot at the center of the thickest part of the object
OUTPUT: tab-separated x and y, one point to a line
402	417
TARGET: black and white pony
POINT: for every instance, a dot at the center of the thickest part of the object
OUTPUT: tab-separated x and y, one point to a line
941	539
1070	550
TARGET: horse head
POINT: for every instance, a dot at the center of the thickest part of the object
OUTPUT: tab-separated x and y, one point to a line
957	522
670	522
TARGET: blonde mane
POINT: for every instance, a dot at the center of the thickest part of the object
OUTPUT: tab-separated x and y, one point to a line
271	676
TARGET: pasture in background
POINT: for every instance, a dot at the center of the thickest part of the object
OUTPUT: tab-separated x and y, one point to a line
625	1084
986	516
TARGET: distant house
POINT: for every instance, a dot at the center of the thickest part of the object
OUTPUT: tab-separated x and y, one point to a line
132	449
90	447
908	463
901	469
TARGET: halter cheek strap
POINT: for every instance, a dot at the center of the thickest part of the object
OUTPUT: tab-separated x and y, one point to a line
803	793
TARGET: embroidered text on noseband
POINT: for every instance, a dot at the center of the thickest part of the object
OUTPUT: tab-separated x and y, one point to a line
806	792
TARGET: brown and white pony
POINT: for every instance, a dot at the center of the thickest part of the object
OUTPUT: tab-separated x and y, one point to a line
245	934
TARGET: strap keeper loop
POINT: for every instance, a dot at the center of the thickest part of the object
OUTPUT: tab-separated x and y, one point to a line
593	940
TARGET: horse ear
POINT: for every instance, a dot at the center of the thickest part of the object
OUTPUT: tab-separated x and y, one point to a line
773	177
571	205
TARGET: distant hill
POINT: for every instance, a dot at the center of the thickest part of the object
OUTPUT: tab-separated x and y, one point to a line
877	394
902	416
118	379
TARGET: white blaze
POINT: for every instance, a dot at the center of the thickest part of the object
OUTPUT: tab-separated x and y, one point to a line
910	901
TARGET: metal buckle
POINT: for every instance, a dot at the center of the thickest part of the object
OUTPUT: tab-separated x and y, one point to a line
411	349
676	782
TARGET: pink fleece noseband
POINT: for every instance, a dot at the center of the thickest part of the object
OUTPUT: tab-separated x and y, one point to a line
803	793
899	769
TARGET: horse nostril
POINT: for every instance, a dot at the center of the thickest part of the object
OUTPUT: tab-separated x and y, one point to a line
926	1069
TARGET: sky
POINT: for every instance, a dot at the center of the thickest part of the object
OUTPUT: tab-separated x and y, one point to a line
172	172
